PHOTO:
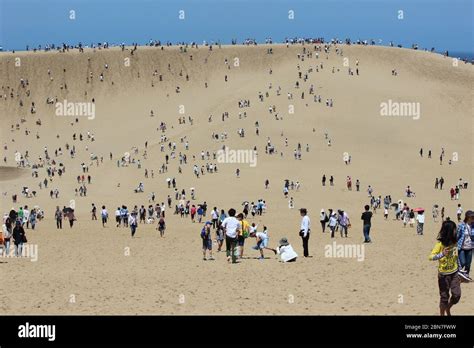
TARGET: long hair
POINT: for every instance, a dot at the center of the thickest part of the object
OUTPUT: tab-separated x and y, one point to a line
447	235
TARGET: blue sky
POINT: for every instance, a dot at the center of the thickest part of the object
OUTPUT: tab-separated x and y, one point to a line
444	24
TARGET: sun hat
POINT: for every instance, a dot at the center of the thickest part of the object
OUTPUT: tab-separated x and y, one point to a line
283	242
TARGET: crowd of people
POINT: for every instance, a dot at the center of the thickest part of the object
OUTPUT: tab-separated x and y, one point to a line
236	229
13	229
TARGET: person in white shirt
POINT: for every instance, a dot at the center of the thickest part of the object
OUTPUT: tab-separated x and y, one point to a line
163	207
118	219
459	211
305	230
333	223
26	216
214	217
262	241
231	228
132	222
253	228
286	252
322	219
105	215
420	219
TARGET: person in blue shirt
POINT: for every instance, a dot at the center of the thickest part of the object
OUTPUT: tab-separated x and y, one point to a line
200	212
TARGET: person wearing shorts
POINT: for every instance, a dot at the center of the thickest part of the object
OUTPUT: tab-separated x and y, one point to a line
206	240
262	242
446	253
244	233
219	237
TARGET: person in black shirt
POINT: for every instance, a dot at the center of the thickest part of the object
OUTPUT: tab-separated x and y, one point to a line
94	212
13	215
58	215
204	208
142	213
19	238
366	217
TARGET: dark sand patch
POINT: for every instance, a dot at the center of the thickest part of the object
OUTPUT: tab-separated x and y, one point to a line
10	173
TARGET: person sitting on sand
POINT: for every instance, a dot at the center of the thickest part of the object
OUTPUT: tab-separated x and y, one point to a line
446	253
286	251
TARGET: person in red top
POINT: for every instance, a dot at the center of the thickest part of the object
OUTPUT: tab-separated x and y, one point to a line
193	212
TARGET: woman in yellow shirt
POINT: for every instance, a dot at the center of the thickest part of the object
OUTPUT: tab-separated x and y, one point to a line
244	233
446	253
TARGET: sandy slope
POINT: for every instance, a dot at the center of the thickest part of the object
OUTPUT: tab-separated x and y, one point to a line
90	263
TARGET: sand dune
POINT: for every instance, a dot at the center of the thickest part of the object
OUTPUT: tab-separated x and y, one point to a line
92	263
